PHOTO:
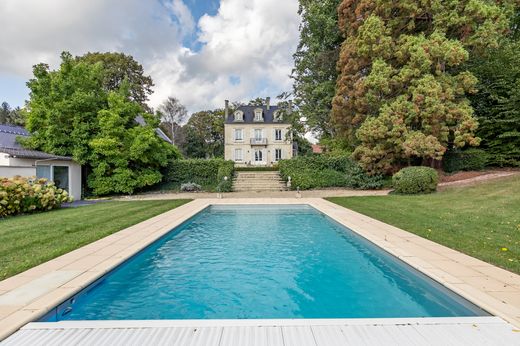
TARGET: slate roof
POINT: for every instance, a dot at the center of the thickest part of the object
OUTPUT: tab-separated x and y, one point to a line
32	154
249	114
8	145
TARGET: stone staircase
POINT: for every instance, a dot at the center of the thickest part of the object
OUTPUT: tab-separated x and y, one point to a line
258	181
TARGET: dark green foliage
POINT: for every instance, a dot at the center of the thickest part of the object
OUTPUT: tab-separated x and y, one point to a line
119	68
207	173
308	179
203	135
11	116
497	103
319	171
465	160
413	180
315	61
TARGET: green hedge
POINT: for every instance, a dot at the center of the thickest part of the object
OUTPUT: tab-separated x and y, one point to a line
465	160
319	171
26	195
207	173
226	169
413	180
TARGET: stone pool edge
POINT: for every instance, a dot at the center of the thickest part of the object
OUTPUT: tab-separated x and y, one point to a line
33	293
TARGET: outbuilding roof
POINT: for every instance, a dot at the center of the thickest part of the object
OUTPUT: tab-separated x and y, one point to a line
10	146
32	154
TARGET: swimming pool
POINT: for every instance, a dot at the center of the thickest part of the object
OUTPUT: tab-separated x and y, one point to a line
262	261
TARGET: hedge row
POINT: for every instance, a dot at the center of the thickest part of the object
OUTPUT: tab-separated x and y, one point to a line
207	173
319	171
465	160
26	195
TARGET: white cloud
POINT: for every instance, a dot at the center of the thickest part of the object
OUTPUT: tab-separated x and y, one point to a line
245	49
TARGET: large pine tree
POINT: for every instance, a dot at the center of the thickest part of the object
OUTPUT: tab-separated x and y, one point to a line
402	96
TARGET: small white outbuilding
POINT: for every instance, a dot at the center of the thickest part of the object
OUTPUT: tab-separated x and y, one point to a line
16	160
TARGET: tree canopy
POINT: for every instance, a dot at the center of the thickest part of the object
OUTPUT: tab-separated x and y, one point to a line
70	112
119	67
9	115
203	135
497	102
402	92
315	60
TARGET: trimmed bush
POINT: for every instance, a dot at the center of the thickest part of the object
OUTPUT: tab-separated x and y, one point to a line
20	195
413	180
308	179
319	171
465	160
207	173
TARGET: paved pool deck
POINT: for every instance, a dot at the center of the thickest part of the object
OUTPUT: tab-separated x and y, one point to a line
28	296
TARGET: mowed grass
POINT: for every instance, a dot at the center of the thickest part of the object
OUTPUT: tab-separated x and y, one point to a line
29	240
482	221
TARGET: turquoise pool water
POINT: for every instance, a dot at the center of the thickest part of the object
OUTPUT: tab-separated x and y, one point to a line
278	261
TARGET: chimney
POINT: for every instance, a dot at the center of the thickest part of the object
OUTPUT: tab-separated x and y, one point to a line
290	107
226	109
268	102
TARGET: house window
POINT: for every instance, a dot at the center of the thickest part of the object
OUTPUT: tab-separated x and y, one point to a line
277	154
43	172
239	134
60	176
277	134
278	116
239	116
258	134
238	155
258	115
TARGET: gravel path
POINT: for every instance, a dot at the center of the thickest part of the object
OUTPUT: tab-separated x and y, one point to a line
480	178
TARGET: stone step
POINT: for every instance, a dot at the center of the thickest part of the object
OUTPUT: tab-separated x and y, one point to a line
256	189
258	181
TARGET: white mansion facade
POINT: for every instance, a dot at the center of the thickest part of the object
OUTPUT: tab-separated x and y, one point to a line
256	135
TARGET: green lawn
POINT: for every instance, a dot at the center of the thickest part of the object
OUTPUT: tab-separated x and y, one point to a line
482	221
28	240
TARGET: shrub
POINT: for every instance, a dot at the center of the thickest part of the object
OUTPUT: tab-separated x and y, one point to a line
226	169
412	180
25	195
207	173
465	160
190	187
318	171
309	179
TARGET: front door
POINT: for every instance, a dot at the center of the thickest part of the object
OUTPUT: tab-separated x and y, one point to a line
258	158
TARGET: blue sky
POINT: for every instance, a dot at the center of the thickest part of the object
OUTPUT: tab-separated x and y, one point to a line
201	52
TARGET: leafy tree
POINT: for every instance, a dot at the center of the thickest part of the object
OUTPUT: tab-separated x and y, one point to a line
125	156
118	68
402	95
497	102
315	72
5	111
71	113
173	113
203	135
259	102
11	116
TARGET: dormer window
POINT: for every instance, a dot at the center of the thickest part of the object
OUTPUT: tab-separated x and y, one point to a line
259	115
239	116
278	116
